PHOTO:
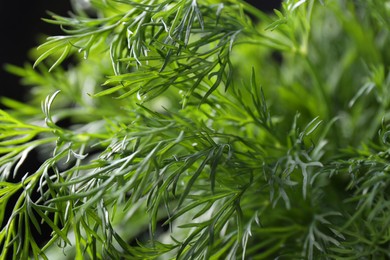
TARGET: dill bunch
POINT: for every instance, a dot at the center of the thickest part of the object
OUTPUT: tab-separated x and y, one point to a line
201	129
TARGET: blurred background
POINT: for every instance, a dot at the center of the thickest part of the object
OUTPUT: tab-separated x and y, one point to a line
21	27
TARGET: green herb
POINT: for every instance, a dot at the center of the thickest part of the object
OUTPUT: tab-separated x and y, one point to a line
182	129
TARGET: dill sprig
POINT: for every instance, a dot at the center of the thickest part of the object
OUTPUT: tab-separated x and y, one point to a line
201	129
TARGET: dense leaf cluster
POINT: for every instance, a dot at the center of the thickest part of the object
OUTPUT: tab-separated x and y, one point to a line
182	129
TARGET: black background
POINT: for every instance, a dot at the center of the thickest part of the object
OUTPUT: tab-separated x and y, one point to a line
21	25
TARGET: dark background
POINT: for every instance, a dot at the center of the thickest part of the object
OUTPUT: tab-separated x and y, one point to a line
21	25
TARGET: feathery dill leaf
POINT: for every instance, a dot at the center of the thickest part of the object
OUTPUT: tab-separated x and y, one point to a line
201	129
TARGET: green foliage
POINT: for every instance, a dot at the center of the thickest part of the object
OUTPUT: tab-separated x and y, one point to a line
182	129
